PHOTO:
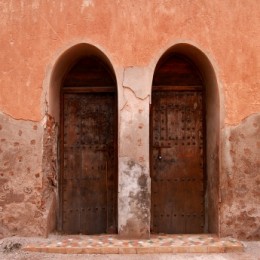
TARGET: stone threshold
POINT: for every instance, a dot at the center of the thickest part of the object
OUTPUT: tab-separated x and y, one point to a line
113	244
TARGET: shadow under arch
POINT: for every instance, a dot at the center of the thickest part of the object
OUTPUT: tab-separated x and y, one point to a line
213	98
63	64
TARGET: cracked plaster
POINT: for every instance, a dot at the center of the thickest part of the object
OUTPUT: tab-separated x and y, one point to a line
133	198
139	80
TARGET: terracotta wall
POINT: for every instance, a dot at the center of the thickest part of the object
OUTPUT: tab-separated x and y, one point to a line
131	33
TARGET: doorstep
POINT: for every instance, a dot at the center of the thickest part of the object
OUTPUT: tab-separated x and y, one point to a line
113	244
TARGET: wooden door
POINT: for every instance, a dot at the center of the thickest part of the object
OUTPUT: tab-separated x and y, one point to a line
177	156
88	186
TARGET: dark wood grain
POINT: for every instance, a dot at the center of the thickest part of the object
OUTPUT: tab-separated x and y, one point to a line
176	70
177	149
89	71
88	183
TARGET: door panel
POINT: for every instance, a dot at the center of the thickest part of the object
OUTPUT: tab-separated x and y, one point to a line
88	184
177	164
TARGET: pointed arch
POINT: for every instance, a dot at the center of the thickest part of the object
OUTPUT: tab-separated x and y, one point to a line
214	120
82	72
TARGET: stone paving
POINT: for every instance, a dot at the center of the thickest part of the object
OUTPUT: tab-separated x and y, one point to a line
113	244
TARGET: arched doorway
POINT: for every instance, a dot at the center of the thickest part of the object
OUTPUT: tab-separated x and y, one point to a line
88	148
177	147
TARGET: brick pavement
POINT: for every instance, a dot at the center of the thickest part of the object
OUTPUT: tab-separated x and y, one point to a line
112	244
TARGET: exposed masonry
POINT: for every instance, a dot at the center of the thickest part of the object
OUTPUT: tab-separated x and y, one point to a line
50	169
240	180
24	185
29	166
49	158
134	180
134	200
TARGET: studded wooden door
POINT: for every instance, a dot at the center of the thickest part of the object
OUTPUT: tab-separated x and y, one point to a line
177	162
88	185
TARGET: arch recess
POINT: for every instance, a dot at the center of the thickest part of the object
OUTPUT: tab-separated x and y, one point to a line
214	121
56	73
61	65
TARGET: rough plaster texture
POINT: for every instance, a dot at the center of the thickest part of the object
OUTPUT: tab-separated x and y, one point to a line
240	181
25	196
133	34
134	181
134	200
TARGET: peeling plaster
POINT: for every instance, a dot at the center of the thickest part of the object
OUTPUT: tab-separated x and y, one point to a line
26	187
240	181
134	179
134	199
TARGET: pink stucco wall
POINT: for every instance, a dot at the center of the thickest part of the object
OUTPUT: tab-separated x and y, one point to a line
131	33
